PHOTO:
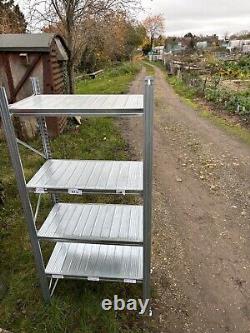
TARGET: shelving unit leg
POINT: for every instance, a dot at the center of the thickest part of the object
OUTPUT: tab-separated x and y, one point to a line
43	130
21	183
147	183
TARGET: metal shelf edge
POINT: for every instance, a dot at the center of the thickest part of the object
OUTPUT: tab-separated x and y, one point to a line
90	241
49	113
84	191
87	278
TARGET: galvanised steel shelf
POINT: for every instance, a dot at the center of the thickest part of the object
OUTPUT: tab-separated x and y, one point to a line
78	177
94	241
94	223
79	105
96	262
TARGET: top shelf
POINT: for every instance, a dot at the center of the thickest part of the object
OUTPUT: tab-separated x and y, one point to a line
77	105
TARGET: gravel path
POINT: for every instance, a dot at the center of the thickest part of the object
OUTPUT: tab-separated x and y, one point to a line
201	231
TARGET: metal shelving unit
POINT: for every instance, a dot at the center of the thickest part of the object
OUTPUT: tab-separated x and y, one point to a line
96	242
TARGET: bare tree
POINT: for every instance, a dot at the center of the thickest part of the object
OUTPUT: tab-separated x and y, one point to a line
70	17
226	35
155	26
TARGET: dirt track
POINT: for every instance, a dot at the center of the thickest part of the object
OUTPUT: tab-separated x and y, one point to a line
201	232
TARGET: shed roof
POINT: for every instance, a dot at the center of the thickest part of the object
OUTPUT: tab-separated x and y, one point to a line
28	42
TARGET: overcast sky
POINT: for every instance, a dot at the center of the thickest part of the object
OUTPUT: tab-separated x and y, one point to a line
201	16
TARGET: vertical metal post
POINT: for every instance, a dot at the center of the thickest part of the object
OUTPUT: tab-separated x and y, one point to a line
41	121
147	183
45	137
43	129
24	197
35	85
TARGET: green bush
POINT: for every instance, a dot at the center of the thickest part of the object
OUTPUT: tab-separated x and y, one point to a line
233	102
238	69
125	68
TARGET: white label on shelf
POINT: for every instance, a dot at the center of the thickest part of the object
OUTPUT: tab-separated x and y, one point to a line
129	281
93	278
57	276
40	190
120	192
74	191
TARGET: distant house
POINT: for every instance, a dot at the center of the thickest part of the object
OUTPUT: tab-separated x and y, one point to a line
241	45
234	44
44	56
246	49
156	53
246	46
207	41
158	49
202	45
191	42
173	45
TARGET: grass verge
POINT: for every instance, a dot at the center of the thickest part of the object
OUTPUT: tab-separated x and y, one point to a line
234	129
75	306
115	80
149	68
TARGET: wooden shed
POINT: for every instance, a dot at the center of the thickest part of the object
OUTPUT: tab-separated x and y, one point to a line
43	55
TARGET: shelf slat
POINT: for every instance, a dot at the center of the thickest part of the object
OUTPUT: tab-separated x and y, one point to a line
77	177
94	223
96	262
57	105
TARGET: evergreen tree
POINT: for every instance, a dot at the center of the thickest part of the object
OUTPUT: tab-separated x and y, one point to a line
12	19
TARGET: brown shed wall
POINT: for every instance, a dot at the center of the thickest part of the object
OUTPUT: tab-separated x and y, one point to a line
54	83
27	125
50	73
